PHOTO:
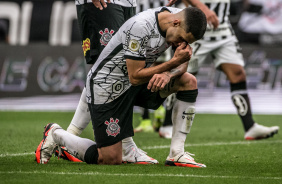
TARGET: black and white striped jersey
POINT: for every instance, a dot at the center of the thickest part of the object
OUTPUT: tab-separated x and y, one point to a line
125	3
140	38
147	4
221	8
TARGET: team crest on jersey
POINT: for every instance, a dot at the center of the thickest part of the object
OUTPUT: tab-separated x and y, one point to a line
134	45
106	36
86	45
113	128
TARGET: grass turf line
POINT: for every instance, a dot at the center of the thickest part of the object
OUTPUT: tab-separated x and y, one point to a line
245	162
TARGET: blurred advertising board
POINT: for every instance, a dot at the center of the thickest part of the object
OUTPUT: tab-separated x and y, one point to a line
39	69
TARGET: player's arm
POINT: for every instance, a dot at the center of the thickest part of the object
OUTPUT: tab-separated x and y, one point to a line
139	75
212	18
156	83
181	69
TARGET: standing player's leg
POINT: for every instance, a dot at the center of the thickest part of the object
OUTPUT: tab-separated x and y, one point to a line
165	130
240	98
236	75
145	122
81	116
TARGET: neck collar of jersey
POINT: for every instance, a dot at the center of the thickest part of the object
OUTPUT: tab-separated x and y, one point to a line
159	28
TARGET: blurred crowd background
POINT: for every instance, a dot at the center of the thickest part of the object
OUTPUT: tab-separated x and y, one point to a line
41	54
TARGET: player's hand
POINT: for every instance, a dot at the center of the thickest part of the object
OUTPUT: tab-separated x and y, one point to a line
212	18
100	3
171	2
183	53
158	82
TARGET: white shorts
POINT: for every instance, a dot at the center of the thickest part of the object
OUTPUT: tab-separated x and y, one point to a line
222	51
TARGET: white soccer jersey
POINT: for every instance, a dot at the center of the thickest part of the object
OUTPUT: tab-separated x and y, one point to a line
221	8
140	38
125	3
146	4
221	43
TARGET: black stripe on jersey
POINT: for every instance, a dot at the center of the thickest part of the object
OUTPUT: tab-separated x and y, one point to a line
231	29
134	57
159	28
216	8
100	66
151	4
141	7
224	13
130	3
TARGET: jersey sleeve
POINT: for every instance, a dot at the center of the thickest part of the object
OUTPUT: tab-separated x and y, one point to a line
135	41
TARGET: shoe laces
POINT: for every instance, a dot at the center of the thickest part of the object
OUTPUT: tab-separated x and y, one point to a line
60	151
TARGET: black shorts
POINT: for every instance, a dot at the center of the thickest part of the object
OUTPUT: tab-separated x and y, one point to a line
112	122
97	27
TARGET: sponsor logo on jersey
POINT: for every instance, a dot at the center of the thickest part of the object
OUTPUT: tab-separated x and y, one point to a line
113	128
86	45
106	36
134	45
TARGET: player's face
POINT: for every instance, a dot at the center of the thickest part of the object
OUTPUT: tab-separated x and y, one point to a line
176	35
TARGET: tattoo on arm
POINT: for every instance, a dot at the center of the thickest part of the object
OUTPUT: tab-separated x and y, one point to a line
177	71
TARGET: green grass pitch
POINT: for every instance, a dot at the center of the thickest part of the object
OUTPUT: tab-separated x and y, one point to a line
216	140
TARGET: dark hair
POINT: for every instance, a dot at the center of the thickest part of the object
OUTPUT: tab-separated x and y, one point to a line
195	21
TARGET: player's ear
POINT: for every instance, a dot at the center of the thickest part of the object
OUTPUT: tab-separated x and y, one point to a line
176	23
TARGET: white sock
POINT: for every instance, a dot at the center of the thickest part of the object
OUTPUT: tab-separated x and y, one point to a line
74	144
127	143
81	116
182	118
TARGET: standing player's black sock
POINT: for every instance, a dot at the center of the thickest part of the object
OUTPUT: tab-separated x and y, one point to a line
167	120
168	110
145	114
241	101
